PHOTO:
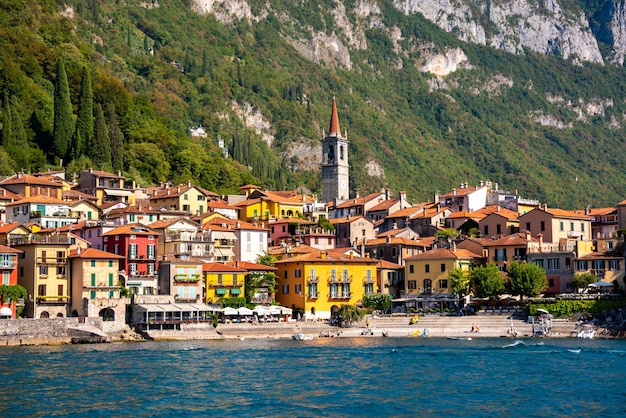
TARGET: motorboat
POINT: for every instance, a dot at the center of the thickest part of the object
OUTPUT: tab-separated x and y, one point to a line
302	337
460	338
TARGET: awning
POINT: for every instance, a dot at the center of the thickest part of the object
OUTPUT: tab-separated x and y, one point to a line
224	235
235	291
174	307
114	192
224	252
220	291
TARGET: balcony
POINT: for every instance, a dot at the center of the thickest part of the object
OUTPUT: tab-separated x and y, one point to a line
368	280
599	273
189	237
313	295
185	278
51	260
224	284
313	279
142	277
38	239
338	280
53	299
8	265
499	258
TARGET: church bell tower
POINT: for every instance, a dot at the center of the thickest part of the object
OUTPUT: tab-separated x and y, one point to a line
335	168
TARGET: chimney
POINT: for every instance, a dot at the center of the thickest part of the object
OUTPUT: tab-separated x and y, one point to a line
387	194
528	236
188	183
453	192
323	255
90	170
540	238
178	189
351	255
119	173
388	239
498	208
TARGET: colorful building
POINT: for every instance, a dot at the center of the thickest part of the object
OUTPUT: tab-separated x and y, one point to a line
8	272
138	244
181	277
320	282
223	281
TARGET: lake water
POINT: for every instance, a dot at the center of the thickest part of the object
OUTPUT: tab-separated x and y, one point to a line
370	377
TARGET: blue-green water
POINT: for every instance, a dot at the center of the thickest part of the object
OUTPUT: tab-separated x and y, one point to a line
371	377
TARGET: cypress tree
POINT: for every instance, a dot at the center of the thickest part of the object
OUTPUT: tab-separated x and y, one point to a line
62	131
117	140
100	150
6	121
84	123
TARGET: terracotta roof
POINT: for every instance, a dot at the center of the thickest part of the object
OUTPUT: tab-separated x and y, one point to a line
403	213
101	173
173	191
463	191
604	255
358	201
220	204
601	211
392	232
345	220
164	223
287	197
295	249
220	267
477	215
131	229
77	195
73	227
384	205
395	241
443	253
4	250
9	227
9	195
334	120
132	209
326	257
427	213
513	239
388	265
93	253
251	266
38	199
29	179
560	213
499	210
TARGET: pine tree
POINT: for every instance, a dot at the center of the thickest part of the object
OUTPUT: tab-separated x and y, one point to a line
63	126
6	121
100	150
84	123
117	140
146	48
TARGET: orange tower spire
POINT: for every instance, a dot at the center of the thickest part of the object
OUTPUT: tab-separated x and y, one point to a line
334	120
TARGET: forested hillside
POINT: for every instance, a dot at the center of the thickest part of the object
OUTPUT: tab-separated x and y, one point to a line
118	84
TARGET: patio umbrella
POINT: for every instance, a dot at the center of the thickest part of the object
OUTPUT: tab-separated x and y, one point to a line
274	310
244	311
230	311
285	310
542	311
601	284
261	310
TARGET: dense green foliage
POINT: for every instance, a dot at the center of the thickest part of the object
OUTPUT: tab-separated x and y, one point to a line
564	308
164	69
525	279
487	281
582	280
459	282
377	301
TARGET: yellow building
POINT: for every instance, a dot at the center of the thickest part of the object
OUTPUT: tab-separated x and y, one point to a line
223	281
95	279
265	205
427	273
43	272
320	282
84	210
187	198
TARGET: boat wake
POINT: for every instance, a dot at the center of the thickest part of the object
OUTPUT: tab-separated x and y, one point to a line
514	344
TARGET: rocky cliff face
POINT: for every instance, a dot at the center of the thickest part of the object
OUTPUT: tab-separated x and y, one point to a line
548	26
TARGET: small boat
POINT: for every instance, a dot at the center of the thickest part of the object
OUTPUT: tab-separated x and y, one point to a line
302	337
460	338
587	334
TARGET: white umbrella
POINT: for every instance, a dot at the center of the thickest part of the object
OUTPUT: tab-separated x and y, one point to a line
542	311
230	311
261	310
244	311
274	310
285	310
601	284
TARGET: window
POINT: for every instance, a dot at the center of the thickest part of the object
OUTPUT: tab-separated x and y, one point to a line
185	196
60	270
486	229
528	226
60	290
443	267
561	226
235	280
334	290
151	268
553	264
346	277
219	279
443	284
369	288
285	275
200	197
614	265
539	262
568	263
43	270
428	285
571	226
427	268
93	263
186	208
582	227
298	289
298	273
411	268
110	279
93	279
41	290
543	225
151	251
582	265
43	256
393	252
132	267
116	249
412	284
333	274
110	263
285	289
6	278
498	229
313	290
132	251
550	282
181	292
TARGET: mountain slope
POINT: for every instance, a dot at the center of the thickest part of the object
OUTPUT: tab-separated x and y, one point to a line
424	110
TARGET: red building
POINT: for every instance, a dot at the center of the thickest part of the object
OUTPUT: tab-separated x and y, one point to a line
138	244
8	272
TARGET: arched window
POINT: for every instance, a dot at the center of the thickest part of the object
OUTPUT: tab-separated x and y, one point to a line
341	152
331	153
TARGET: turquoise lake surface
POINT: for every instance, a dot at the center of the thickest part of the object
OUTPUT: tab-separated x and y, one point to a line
360	377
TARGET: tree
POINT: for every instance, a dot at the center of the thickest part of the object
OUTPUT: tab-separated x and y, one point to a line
487	281
100	149
84	122
447	233
117	140
6	121
526	279
266	259
348	314
63	126
377	301
582	280
459	282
